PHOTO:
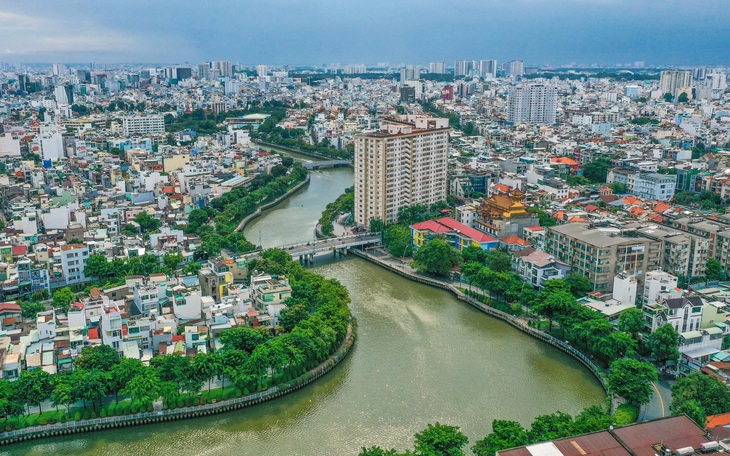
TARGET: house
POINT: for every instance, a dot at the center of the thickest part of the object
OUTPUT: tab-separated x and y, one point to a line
456	233
537	267
684	314
267	289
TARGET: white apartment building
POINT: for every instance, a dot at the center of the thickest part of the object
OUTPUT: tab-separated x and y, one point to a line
437	67
9	144
655	186
655	284
403	164
516	68
51	142
684	314
73	262
675	82
144	125
488	69
534	103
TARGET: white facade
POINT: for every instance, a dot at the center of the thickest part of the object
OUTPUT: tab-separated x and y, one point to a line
9	144
145	125
535	103
656	283
655	186
401	165
437	67
516	68
675	82
51	142
624	288
73	262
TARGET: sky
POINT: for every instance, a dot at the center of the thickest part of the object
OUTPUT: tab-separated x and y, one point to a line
297	32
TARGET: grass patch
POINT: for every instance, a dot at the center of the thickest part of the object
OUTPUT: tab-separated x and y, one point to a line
626	414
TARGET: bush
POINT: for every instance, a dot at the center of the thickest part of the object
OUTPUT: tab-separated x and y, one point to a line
43	421
196	401
63	418
134	408
103	413
86	414
77	416
188	401
246	392
150	407
625	414
126	409
237	392
203	401
111	409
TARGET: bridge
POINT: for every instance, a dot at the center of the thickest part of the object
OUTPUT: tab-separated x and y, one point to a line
306	251
327	164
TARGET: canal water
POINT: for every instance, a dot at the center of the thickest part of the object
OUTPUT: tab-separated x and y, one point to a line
421	356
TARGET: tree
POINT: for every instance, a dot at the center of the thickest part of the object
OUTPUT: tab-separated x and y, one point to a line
440	440
618	188
123	373
289	317
554	303
204	367
498	260
62	298
146	222
592	419
212	245
505	434
34	387
437	257
90	385
631	321
704	390
144	387
550	427
398	240
631	379
243	338
683	98
474	254
596	171
376	225
29	309
663	344
668	97
100	357
693	410
63	392
579	284
377	451
10	405
714	270
97	266
172	260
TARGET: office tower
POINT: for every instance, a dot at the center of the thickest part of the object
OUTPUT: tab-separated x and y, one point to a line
407	94
183	73
59	69
675	82
64	95
262	70
145	125
409	73
534	103
488	69
517	68
465	67
699	73
354	69
203	71
84	76
401	165
437	67
224	68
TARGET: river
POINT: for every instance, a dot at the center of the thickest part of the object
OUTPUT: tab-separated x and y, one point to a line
421	356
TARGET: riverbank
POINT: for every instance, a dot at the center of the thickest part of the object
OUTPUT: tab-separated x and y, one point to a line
99	424
272	204
404	271
296	151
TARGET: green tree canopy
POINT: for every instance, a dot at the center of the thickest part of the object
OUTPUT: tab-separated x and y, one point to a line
100	357
631	379
440	440
437	257
596	171
704	390
714	270
631	321
663	344
579	284
62	298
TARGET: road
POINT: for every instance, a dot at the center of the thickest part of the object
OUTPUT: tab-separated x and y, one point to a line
660	402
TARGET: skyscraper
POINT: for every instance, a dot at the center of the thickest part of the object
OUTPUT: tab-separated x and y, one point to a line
675	82
409	73
64	95
464	67
534	103
437	67
203	71
262	70
224	67
401	165
488	69
516	68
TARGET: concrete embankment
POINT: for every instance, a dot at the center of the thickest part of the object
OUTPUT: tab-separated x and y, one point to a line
278	200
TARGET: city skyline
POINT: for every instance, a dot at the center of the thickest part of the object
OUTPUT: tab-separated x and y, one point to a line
603	32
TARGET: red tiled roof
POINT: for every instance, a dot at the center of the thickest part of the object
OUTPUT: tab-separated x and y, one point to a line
535	228
431	225
93	334
564	161
466	230
20	250
514	240
178	338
